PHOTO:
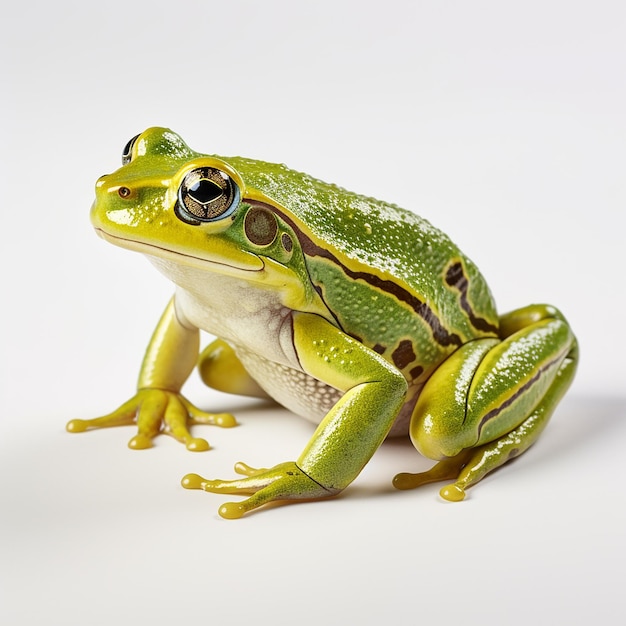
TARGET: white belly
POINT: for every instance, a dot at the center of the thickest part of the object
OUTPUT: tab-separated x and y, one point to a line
289	386
258	326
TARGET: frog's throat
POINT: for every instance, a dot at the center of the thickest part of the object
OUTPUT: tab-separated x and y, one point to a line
255	265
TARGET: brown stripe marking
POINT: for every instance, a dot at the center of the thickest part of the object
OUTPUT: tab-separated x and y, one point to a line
456	278
441	335
527	385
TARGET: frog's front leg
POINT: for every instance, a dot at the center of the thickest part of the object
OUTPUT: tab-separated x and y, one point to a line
158	405
490	400
347	437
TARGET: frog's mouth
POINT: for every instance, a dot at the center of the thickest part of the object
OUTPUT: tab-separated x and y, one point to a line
250	263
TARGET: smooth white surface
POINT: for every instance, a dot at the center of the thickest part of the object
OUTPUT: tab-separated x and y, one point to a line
504	125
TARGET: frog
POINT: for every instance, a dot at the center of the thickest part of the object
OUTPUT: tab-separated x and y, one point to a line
354	313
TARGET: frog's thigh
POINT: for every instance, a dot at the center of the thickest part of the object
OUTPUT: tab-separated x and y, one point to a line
220	369
488	388
490	456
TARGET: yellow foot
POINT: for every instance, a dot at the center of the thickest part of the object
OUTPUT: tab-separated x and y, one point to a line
285	482
157	411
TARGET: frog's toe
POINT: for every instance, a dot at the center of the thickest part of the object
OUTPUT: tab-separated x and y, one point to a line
272	493
447	469
223	420
452	493
232	510
254	480
121	417
77	426
235	510
405	480
245	470
140	441
192	481
197	444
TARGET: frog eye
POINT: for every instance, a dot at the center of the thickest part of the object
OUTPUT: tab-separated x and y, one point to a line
127	152
205	195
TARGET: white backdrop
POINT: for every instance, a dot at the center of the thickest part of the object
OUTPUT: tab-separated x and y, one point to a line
502	123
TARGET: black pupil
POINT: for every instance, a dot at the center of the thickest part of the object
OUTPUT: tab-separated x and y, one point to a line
205	191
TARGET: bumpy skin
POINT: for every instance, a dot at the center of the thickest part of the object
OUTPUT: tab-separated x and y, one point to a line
354	313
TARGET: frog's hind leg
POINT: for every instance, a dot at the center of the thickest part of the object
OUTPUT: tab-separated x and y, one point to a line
221	369
491	399
492	455
473	464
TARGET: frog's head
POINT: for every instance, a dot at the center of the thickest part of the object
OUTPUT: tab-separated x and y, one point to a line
192	209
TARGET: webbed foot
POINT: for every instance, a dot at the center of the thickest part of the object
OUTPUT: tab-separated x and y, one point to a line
281	483
157	411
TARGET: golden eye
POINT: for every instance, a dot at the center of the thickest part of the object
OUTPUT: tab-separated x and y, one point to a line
205	195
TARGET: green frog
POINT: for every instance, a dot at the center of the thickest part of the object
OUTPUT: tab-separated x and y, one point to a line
351	312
